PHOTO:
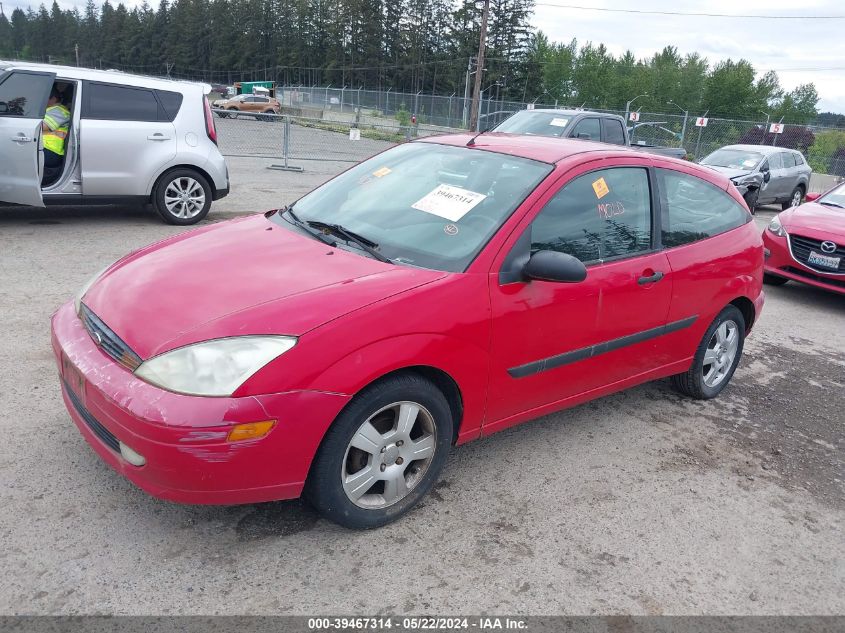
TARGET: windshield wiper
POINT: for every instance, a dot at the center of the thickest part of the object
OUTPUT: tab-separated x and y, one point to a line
317	235
350	236
832	204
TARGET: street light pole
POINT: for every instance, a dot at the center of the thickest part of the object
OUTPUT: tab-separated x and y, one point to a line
476	90
628	106
765	129
686	115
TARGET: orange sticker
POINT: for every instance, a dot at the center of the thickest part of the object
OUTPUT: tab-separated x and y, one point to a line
378	173
601	188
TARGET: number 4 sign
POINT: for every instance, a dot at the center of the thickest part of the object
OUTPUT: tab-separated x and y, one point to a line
776	128
701	121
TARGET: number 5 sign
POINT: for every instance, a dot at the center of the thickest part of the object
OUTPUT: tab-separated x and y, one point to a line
701	121
776	128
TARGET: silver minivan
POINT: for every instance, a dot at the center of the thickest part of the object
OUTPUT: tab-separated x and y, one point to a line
130	138
764	174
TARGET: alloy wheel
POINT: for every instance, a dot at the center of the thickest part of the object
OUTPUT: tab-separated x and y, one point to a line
184	197
389	455
721	353
796	198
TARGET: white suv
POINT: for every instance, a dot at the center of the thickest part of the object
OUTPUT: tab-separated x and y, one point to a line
130	138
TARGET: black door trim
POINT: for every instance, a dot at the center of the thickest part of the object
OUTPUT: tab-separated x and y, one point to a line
544	364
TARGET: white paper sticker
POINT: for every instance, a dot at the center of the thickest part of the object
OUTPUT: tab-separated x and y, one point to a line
559	122
354	134
449	202
749	162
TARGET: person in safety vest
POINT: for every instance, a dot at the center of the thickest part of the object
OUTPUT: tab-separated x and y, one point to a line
55	128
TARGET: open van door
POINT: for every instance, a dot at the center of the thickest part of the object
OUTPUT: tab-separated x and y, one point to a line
23	102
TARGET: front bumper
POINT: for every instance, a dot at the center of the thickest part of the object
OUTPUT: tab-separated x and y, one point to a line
183	438
780	262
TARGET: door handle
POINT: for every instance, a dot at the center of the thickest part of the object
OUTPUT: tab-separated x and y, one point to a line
650	279
158	137
22	139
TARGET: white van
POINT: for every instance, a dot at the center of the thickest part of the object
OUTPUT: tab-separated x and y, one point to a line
131	138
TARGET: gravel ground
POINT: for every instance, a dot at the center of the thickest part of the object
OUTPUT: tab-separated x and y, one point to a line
643	502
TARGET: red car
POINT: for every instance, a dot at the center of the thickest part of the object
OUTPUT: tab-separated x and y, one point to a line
807	243
439	292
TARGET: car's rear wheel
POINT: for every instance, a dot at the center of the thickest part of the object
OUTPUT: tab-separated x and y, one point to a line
795	199
182	196
716	358
774	280
382	454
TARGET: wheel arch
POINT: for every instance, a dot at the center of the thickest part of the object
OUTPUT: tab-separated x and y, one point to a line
208	179
747	309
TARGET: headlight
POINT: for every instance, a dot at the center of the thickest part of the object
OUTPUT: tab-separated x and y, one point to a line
213	368
77	299
776	227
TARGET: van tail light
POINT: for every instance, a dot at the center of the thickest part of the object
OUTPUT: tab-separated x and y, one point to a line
209	121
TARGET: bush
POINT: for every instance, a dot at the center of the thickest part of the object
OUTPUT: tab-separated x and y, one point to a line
403	116
823	153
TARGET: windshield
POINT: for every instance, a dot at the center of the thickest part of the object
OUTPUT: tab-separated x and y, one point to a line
834	198
423	204
733	158
535	122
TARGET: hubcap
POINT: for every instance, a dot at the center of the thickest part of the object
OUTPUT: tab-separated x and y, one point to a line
720	354
184	197
796	198
389	455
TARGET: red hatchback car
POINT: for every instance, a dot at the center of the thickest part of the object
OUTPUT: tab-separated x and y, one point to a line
441	291
807	243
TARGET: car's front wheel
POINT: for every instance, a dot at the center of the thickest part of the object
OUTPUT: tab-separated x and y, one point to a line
750	198
716	358
182	196
382	454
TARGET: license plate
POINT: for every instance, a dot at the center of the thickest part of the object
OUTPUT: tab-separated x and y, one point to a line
823	260
73	378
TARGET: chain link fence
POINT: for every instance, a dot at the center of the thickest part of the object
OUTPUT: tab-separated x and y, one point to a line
317	117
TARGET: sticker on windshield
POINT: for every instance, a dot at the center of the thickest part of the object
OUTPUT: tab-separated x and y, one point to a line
558	122
450	229
449	202
601	188
749	162
379	173
610	209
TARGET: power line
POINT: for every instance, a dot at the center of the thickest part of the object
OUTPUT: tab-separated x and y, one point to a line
697	15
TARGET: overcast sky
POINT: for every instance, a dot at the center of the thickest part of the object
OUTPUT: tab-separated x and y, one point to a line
791	47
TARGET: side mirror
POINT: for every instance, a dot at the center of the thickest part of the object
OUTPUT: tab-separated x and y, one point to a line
555	266
812	196
584	135
767	176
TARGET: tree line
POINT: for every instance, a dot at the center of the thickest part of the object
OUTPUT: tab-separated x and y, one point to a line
404	45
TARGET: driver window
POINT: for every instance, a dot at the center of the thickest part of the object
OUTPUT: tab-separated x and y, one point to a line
600	215
775	162
24	95
588	126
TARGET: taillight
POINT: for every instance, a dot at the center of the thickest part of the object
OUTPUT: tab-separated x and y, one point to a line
209	121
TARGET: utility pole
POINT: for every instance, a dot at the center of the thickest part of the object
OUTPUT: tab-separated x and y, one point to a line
76	50
476	90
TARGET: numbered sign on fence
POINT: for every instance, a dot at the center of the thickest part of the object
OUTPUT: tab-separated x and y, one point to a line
529	106
701	121
634	116
776	128
354	134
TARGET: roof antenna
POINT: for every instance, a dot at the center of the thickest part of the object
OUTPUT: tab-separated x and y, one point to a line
471	141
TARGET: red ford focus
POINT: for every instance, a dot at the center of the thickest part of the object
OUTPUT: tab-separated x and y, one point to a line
807	243
438	292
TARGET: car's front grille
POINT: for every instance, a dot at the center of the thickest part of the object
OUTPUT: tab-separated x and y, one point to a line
96	428
108	341
801	247
830	281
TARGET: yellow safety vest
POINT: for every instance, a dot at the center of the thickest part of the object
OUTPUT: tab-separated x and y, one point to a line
54	139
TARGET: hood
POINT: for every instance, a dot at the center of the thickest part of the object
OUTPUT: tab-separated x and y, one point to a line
730	172
816	220
247	276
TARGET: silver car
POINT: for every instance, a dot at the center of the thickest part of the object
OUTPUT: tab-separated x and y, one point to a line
130	138
763	174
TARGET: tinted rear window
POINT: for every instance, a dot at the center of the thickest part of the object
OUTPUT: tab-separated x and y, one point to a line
119	103
171	102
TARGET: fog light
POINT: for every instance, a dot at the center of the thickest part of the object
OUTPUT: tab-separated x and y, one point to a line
136	459
250	430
